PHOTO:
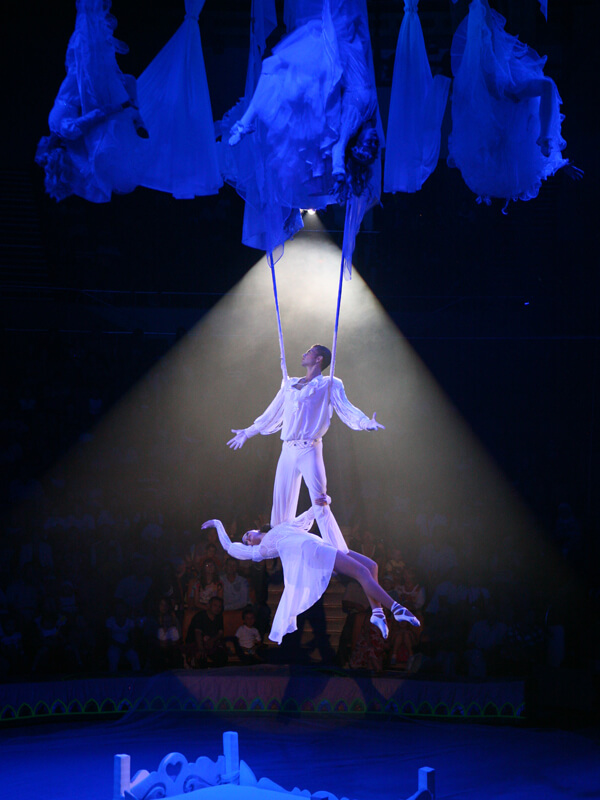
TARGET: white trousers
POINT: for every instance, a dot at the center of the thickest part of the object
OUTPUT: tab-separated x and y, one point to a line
304	459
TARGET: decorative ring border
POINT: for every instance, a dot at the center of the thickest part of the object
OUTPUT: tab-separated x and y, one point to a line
359	707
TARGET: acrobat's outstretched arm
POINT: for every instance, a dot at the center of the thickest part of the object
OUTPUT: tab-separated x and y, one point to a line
270	421
350	415
243	552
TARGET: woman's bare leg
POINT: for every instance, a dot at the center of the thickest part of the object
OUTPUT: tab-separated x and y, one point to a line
243	126
544	89
352	565
373	571
348	564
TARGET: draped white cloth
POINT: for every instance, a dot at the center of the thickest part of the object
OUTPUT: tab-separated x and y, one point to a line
318	80
495	129
417	105
175	104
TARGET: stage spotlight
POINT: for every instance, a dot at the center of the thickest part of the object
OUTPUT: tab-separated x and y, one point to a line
165	442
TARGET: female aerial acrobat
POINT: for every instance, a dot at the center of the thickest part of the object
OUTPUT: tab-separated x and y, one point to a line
506	121
308	563
95	124
313	122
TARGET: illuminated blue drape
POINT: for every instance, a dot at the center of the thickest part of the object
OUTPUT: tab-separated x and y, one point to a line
175	103
95	140
417	107
496	128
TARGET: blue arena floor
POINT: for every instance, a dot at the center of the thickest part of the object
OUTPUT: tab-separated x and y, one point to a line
357	758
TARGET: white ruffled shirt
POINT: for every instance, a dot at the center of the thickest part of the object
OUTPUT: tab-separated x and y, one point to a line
305	413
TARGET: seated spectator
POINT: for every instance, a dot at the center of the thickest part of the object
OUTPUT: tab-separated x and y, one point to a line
248	639
410	593
452	589
23	594
523	645
200	589
12	654
484	642
404	637
395	563
178	585
235	587
371	547
37	549
354	602
120	646
212	554
81	636
443	640
53	654
199	550
371	649
153	529
387	583
67	601
168	635
134	588
205	640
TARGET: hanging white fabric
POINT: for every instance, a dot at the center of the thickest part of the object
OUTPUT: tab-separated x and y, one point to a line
173	93
417	106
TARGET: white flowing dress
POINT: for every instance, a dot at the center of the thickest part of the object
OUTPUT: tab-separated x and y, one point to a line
93	146
318	79
494	134
307	563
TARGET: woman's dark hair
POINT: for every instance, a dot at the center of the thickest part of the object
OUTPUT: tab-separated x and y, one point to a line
264	528
359	172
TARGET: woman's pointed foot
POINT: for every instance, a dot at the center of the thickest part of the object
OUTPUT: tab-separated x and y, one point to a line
378	619
238	131
402	614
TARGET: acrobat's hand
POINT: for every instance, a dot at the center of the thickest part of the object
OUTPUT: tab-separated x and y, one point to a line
322	500
575	173
238	440
238	131
373	425
208	524
340	190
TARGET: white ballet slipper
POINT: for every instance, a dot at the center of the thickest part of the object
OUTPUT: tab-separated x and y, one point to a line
378	619
402	614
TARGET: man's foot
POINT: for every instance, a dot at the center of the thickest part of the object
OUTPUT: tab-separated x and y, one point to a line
378	619
402	614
